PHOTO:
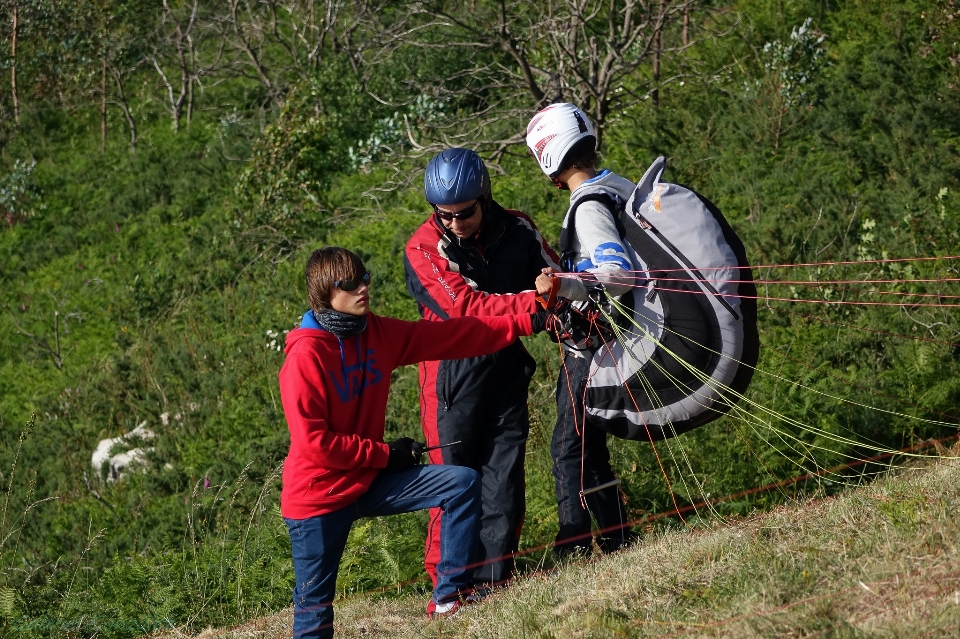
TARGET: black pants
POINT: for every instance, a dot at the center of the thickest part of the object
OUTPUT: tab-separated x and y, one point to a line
574	442
482	403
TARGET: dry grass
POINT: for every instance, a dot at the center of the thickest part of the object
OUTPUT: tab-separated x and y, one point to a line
878	561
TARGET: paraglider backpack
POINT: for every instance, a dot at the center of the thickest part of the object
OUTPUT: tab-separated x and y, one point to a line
684	342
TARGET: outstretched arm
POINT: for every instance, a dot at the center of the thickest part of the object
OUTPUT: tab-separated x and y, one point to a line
456	338
437	283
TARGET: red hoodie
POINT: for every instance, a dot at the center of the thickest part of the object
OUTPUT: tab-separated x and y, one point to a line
335	399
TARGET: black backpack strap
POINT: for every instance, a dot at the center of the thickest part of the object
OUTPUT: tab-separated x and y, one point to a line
613	203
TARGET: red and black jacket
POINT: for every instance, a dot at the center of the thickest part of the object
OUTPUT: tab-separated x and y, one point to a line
490	274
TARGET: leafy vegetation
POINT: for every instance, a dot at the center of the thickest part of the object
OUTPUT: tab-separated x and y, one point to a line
160	193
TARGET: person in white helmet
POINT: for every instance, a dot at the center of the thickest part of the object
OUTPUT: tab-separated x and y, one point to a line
562	139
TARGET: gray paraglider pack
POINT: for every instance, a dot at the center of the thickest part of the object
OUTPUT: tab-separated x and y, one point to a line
687	340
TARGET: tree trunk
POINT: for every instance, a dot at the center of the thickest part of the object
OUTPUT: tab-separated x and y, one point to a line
122	103
686	26
13	65
103	106
189	100
657	36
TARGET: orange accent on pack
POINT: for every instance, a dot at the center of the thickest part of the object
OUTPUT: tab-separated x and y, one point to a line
656	198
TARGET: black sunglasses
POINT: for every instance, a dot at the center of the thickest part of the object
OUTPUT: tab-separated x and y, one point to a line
352	285
465	214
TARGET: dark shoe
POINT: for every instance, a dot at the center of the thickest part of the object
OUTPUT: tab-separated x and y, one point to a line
482	591
614	541
572	552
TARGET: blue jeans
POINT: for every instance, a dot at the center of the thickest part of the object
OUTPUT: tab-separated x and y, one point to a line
318	542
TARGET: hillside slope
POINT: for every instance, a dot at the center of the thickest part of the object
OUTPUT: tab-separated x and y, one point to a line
877	561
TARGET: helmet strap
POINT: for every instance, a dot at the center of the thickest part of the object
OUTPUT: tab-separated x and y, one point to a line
557	183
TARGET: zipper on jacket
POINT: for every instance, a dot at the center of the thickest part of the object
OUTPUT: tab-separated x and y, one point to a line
442	377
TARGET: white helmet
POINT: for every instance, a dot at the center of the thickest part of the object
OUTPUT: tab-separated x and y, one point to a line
553	131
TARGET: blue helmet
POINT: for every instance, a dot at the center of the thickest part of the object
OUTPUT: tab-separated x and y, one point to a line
454	176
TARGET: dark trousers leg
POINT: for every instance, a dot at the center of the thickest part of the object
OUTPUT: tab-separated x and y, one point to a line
482	403
580	450
502	475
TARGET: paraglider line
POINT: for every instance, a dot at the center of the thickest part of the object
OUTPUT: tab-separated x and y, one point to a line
654	399
805	264
632	275
767	298
872	330
853	384
663	471
804	477
817	431
864	388
722	391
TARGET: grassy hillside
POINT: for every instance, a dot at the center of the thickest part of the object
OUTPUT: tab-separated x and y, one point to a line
152	283
877	561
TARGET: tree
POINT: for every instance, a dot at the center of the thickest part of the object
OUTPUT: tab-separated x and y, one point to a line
528	55
48	335
124	49
34	54
283	43
182	38
18	193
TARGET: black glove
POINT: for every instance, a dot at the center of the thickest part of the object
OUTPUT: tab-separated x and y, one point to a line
539	320
418	450
401	455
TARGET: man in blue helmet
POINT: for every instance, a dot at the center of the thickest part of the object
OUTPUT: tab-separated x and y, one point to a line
473	257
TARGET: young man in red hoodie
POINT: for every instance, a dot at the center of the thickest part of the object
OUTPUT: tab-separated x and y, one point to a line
334	385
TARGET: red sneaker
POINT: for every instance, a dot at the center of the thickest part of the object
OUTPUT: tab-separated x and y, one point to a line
439	610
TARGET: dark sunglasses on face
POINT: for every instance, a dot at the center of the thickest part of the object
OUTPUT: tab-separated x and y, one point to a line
352	285
465	214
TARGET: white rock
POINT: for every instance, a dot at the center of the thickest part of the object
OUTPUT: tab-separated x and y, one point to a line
102	454
140	431
122	461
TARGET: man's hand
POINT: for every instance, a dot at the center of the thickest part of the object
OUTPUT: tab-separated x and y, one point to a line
418	450
549	320
545	281
547	287
401	455
544	285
